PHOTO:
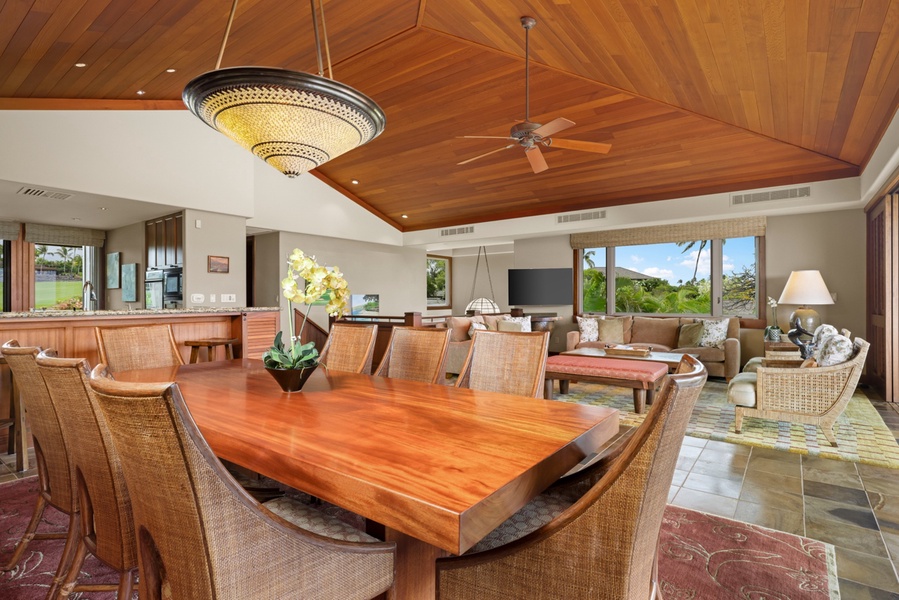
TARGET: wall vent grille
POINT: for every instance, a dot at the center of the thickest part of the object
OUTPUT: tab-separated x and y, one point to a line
456	230
584	216
784	194
33	191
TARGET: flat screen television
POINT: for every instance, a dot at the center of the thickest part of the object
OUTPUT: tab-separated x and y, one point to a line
540	287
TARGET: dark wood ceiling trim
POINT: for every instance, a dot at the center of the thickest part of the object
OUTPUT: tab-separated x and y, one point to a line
88	104
357	200
421	13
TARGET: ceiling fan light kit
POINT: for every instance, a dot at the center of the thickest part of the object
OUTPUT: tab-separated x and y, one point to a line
293	121
530	135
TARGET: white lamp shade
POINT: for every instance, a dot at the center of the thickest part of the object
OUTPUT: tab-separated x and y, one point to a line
484	306
804	288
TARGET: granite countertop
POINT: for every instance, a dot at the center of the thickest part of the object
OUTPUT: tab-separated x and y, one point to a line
142	311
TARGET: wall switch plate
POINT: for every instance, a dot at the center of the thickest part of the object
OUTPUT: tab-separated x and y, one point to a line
197	298
212	297
229	298
199	224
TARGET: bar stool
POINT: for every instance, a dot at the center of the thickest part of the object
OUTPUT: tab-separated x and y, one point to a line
18	440
210	344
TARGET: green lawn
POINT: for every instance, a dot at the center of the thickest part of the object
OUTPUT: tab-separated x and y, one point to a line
50	293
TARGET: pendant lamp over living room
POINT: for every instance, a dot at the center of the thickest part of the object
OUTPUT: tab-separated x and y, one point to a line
484	306
293	121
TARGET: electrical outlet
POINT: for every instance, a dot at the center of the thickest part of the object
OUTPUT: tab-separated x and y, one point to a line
197	298
229	298
212	297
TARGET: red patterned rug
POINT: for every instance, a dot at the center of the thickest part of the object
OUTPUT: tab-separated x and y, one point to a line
702	557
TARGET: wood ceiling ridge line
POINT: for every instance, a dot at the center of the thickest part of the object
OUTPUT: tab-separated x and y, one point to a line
350	195
399	36
419	20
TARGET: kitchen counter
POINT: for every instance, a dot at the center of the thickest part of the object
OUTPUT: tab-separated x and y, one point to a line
137	312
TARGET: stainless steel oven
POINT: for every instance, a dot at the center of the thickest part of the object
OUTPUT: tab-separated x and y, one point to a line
154	290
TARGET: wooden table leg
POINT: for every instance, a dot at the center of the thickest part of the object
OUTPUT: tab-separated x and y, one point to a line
416	576
639	400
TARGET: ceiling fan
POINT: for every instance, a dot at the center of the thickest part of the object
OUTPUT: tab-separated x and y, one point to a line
531	136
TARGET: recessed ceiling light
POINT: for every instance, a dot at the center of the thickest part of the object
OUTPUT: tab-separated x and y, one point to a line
75	219
80	65
405	216
170	70
354	181
141	92
102	208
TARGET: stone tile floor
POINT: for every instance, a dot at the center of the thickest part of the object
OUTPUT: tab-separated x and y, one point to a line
853	506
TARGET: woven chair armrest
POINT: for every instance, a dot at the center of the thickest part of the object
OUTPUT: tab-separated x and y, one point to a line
809	391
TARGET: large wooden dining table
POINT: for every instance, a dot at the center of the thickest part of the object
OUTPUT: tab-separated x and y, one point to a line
438	466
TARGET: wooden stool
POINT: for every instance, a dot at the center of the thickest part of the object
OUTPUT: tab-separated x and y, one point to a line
18	440
210	344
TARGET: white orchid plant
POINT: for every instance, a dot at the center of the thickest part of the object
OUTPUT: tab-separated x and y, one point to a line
306	282
774	326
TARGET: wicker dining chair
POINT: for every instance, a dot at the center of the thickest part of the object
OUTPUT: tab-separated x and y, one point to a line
595	534
137	347
509	362
200	535
416	354
350	347
55	476
104	526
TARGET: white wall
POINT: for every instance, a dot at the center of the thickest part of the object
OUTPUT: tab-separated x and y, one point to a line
218	235
131	242
500	258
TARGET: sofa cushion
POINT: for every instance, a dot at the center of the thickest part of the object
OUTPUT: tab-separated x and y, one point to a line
461	325
714	332
524	322
627	324
741	390
655	331
589	329
611	331
705	353
474	327
492	321
509	325
689	334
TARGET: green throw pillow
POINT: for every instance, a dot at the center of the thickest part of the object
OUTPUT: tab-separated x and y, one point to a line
689	334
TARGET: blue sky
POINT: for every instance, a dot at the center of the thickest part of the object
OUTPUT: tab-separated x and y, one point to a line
668	261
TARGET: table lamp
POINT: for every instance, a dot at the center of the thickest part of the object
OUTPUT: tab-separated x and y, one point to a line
804	288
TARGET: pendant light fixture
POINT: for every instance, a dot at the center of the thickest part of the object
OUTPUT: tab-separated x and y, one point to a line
293	121
483	306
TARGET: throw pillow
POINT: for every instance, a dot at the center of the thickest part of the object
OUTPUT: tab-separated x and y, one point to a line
474	327
689	334
808	363
460	327
611	331
834	350
505	325
589	329
821	333
525	322
714	332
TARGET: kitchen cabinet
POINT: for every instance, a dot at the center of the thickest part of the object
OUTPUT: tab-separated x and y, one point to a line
165	241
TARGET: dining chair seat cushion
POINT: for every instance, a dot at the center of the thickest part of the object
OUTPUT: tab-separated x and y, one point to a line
741	390
311	519
533	515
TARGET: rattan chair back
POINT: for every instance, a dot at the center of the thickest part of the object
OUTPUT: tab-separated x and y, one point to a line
509	362
138	347
349	347
604	546
199	534
105	527
416	354
55	476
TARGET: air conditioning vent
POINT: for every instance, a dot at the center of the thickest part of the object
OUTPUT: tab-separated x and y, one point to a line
784	194
33	191
584	216
457	230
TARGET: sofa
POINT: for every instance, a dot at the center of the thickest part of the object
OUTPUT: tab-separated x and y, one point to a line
664	334
460	341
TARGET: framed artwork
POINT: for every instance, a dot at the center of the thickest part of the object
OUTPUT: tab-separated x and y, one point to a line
364	304
439	281
112	270
129	282
217	264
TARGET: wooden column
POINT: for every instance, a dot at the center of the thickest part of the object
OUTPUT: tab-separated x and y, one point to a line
882	371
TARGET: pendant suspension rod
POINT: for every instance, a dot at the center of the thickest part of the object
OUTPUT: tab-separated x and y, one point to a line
318	44
474	281
218	63
321	7
527	73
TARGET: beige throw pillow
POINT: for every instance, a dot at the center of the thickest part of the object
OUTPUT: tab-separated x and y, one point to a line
611	331
525	322
509	325
689	334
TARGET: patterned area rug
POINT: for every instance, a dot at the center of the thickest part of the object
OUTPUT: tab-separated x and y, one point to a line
861	434
704	556
701	557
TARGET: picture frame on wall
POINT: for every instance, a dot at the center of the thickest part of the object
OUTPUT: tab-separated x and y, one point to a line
129	282
113	269
439	281
218	264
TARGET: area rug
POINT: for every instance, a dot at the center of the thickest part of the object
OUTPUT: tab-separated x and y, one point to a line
701	557
704	556
861	434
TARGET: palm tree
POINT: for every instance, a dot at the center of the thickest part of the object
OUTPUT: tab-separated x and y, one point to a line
687	246
41	253
65	253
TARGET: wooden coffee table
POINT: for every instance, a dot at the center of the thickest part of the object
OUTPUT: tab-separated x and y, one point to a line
672	359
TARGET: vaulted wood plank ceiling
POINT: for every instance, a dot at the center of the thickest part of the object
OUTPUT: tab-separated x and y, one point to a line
695	96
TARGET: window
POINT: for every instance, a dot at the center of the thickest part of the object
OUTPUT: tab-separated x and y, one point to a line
439	282
703	277
58	276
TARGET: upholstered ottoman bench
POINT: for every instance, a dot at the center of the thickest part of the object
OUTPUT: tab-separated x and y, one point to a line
644	377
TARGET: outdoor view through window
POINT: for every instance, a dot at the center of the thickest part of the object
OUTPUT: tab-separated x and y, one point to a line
58	277
674	278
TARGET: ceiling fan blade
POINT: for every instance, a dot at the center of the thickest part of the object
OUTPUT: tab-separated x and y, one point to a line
535	157
486	154
485	137
554	126
598	147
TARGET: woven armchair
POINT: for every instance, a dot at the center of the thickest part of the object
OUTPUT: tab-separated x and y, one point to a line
509	362
416	354
814	395
137	347
601	544
104	526
350	347
55	476
200	535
